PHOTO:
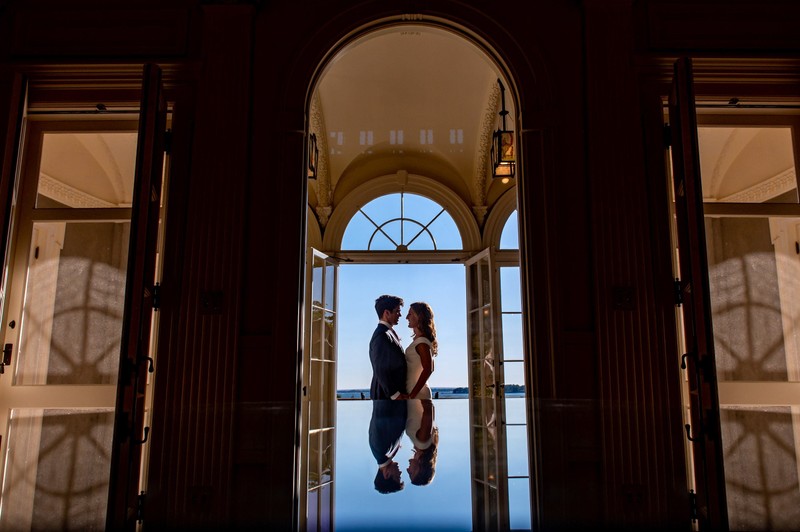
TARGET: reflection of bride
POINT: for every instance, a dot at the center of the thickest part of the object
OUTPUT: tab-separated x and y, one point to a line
424	435
419	355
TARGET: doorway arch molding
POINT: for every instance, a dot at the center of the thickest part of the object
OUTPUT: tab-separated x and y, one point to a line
303	58
521	67
402	182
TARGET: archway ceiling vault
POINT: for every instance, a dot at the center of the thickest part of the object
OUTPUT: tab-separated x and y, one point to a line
98	168
432	85
735	160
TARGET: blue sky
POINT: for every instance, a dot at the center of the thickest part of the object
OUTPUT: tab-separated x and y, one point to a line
442	286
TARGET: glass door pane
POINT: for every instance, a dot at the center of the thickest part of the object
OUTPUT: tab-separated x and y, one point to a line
515	416
40	492
72	311
753	275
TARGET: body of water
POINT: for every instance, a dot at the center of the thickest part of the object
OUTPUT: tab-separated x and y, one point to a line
438	393
444	504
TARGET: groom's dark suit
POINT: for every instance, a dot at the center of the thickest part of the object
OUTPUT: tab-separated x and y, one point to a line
386	428
388	364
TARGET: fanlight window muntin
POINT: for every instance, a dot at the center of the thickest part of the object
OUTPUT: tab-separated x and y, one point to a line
402	222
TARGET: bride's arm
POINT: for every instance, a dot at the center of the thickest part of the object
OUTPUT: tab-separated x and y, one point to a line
424	351
426	425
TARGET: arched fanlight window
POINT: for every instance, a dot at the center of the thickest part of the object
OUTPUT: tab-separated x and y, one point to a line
401	222
509	238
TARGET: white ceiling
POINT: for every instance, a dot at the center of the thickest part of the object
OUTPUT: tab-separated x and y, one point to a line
411	79
408	79
88	169
745	162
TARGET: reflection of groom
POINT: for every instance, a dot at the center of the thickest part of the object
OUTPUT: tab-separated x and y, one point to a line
386	353
385	430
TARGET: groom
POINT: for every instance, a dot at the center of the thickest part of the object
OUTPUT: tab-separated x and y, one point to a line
386	353
385	431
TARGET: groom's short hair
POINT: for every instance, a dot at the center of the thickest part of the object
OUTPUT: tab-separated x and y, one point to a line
387	485
386	302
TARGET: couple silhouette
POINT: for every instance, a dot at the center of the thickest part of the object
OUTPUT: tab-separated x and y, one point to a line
401	397
399	373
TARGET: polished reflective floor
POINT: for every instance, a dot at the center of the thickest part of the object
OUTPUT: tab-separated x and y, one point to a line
365	430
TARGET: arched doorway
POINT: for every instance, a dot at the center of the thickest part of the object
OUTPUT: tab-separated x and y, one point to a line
413	108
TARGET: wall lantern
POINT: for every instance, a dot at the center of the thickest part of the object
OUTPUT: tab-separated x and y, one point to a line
503	147
313	156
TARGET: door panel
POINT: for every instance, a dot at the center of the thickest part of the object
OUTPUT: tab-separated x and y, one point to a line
487	407
704	431
318	410
136	360
73	266
64	322
739	263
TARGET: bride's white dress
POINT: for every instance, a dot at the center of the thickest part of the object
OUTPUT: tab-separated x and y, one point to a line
414	364
416	411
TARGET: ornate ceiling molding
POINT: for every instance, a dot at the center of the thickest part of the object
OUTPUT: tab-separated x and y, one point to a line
484	147
70	196
323	183
765	190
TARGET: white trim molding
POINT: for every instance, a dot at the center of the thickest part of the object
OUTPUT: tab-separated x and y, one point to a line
323	185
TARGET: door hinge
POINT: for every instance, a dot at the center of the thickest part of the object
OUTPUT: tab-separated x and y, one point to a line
693	505
168	141
678	292
6	359
667	136
156	296
140	506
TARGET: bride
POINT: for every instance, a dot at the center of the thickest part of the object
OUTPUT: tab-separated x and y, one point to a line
419	355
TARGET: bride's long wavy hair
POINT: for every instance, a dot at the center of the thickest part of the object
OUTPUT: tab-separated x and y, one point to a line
426	325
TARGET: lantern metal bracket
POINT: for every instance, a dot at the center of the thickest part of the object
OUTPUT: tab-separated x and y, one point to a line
503	144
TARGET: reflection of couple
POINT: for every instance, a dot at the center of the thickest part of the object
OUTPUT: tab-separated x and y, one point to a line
389	419
399	374
402	374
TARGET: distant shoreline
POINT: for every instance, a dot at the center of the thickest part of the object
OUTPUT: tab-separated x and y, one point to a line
461	392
